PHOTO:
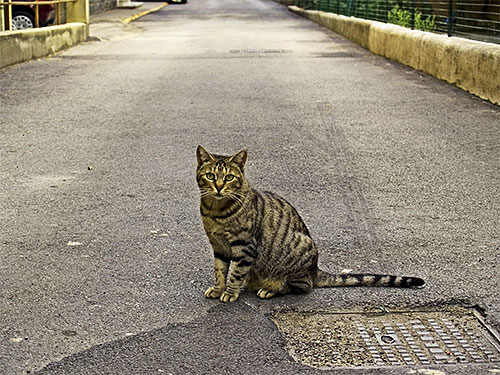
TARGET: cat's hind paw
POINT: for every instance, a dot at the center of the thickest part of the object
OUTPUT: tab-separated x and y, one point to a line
229	297
213	292
265	293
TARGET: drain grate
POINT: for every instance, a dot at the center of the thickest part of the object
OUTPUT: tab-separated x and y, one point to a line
326	340
259	51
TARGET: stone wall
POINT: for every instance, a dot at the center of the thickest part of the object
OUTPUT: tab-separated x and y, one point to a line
25	45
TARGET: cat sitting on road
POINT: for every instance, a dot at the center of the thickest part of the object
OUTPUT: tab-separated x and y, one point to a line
264	238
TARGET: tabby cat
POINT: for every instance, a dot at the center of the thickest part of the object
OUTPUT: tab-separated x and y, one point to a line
263	236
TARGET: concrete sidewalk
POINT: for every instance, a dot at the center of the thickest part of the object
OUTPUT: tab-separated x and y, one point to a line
126	15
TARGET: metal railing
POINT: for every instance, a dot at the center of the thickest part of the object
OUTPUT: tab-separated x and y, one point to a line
6	6
475	19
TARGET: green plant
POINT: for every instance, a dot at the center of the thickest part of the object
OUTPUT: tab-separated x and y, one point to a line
402	17
428	24
399	17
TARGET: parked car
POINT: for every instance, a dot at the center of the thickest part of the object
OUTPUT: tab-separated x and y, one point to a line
23	16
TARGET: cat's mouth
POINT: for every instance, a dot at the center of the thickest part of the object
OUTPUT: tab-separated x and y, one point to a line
217	195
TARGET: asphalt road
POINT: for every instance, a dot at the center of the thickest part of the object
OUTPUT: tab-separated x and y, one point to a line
103	259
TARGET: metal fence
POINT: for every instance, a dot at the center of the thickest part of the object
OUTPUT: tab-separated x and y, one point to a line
475	19
27	13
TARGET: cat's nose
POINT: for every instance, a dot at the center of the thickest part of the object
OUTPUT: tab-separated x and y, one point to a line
219	185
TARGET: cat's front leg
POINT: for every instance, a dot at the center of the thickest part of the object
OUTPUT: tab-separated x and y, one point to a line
243	257
221	266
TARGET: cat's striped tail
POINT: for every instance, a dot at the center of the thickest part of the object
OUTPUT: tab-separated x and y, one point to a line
324	280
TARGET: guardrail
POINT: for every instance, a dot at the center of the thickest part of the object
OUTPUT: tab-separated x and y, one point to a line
9	4
475	19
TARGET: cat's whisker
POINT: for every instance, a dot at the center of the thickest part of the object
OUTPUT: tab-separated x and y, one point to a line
238	201
205	192
241	195
237	198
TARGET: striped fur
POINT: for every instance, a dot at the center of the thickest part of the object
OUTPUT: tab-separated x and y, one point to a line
262	237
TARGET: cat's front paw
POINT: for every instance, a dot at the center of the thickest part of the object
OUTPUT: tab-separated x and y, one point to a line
213	292
265	294
229	297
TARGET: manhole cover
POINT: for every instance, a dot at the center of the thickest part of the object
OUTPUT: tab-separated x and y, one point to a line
259	51
326	340
340	54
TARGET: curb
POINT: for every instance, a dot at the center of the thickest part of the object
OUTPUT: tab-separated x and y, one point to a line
141	14
470	65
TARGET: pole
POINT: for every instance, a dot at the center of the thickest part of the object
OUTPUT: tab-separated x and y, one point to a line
9	16
412	12
2	19
37	15
450	16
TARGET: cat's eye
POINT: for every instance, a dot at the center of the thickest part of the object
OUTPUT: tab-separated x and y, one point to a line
210	176
229	177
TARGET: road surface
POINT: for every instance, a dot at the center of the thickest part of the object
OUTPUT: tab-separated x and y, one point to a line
103	259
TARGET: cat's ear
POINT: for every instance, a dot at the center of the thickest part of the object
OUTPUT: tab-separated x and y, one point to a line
239	159
203	156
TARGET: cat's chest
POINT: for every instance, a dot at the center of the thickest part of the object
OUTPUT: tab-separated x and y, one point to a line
223	233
